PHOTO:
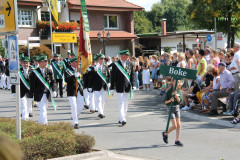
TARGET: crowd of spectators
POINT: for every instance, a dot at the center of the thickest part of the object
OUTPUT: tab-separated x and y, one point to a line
217	77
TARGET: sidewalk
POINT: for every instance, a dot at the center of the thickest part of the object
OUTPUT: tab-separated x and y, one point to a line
195	115
99	155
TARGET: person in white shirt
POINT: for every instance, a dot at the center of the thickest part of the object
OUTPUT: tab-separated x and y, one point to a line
207	55
233	68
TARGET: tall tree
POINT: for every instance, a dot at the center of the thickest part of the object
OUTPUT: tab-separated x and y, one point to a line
141	23
227	13
2	50
175	13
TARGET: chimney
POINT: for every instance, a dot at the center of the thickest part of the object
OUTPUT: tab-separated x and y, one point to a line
163	26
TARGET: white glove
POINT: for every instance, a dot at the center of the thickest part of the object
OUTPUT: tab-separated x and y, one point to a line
109	85
90	89
54	94
112	92
14	94
77	74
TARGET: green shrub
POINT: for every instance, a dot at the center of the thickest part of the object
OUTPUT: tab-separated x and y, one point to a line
84	143
47	141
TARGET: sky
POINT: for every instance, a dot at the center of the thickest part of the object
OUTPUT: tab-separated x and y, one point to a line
147	4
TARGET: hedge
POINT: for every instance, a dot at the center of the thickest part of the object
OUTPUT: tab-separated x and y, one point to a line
47	141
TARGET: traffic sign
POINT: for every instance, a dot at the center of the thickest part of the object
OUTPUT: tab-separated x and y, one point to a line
4	43
209	38
8	16
177	72
13	53
64	38
209	43
14	78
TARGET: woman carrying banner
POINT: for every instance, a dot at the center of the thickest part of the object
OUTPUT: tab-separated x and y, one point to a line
174	97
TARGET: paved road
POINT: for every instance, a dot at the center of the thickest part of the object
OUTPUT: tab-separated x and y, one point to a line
141	136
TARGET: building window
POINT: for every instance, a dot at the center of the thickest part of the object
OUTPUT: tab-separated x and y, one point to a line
45	16
195	45
180	48
111	21
25	17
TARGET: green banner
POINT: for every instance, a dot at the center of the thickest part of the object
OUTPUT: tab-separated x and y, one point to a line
177	72
85	16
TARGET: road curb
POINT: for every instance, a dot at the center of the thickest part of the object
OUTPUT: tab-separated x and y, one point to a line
199	117
98	155
83	156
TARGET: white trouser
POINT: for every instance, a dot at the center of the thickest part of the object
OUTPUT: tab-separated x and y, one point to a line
8	82
86	96
100	100
3	83
92	101
77	104
123	99
43	105
26	107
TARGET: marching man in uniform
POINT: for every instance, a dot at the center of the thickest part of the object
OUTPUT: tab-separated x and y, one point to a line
88	77
35	65
58	70
122	78
35	61
100	84
42	84
67	60
76	99
25	95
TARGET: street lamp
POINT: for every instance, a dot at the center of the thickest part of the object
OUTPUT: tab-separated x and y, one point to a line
103	39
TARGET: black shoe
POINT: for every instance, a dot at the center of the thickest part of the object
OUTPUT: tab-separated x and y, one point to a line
86	106
101	116
124	123
119	122
61	96
76	126
30	115
21	115
35	105
178	143
96	110
213	113
165	137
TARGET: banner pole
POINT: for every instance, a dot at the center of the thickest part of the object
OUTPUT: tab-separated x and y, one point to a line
170	111
50	17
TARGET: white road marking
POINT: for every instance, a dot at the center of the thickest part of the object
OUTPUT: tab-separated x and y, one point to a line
91	124
142	114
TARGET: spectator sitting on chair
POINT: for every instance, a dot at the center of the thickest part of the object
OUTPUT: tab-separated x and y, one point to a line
207	78
226	82
233	98
232	102
236	120
163	87
206	97
193	89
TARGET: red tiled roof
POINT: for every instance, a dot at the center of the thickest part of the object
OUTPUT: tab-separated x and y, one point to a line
107	3
114	34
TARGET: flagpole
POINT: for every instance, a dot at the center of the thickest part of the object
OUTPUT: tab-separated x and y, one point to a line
50	17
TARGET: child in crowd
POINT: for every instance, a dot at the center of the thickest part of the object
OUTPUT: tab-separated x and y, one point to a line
174	97
163	87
